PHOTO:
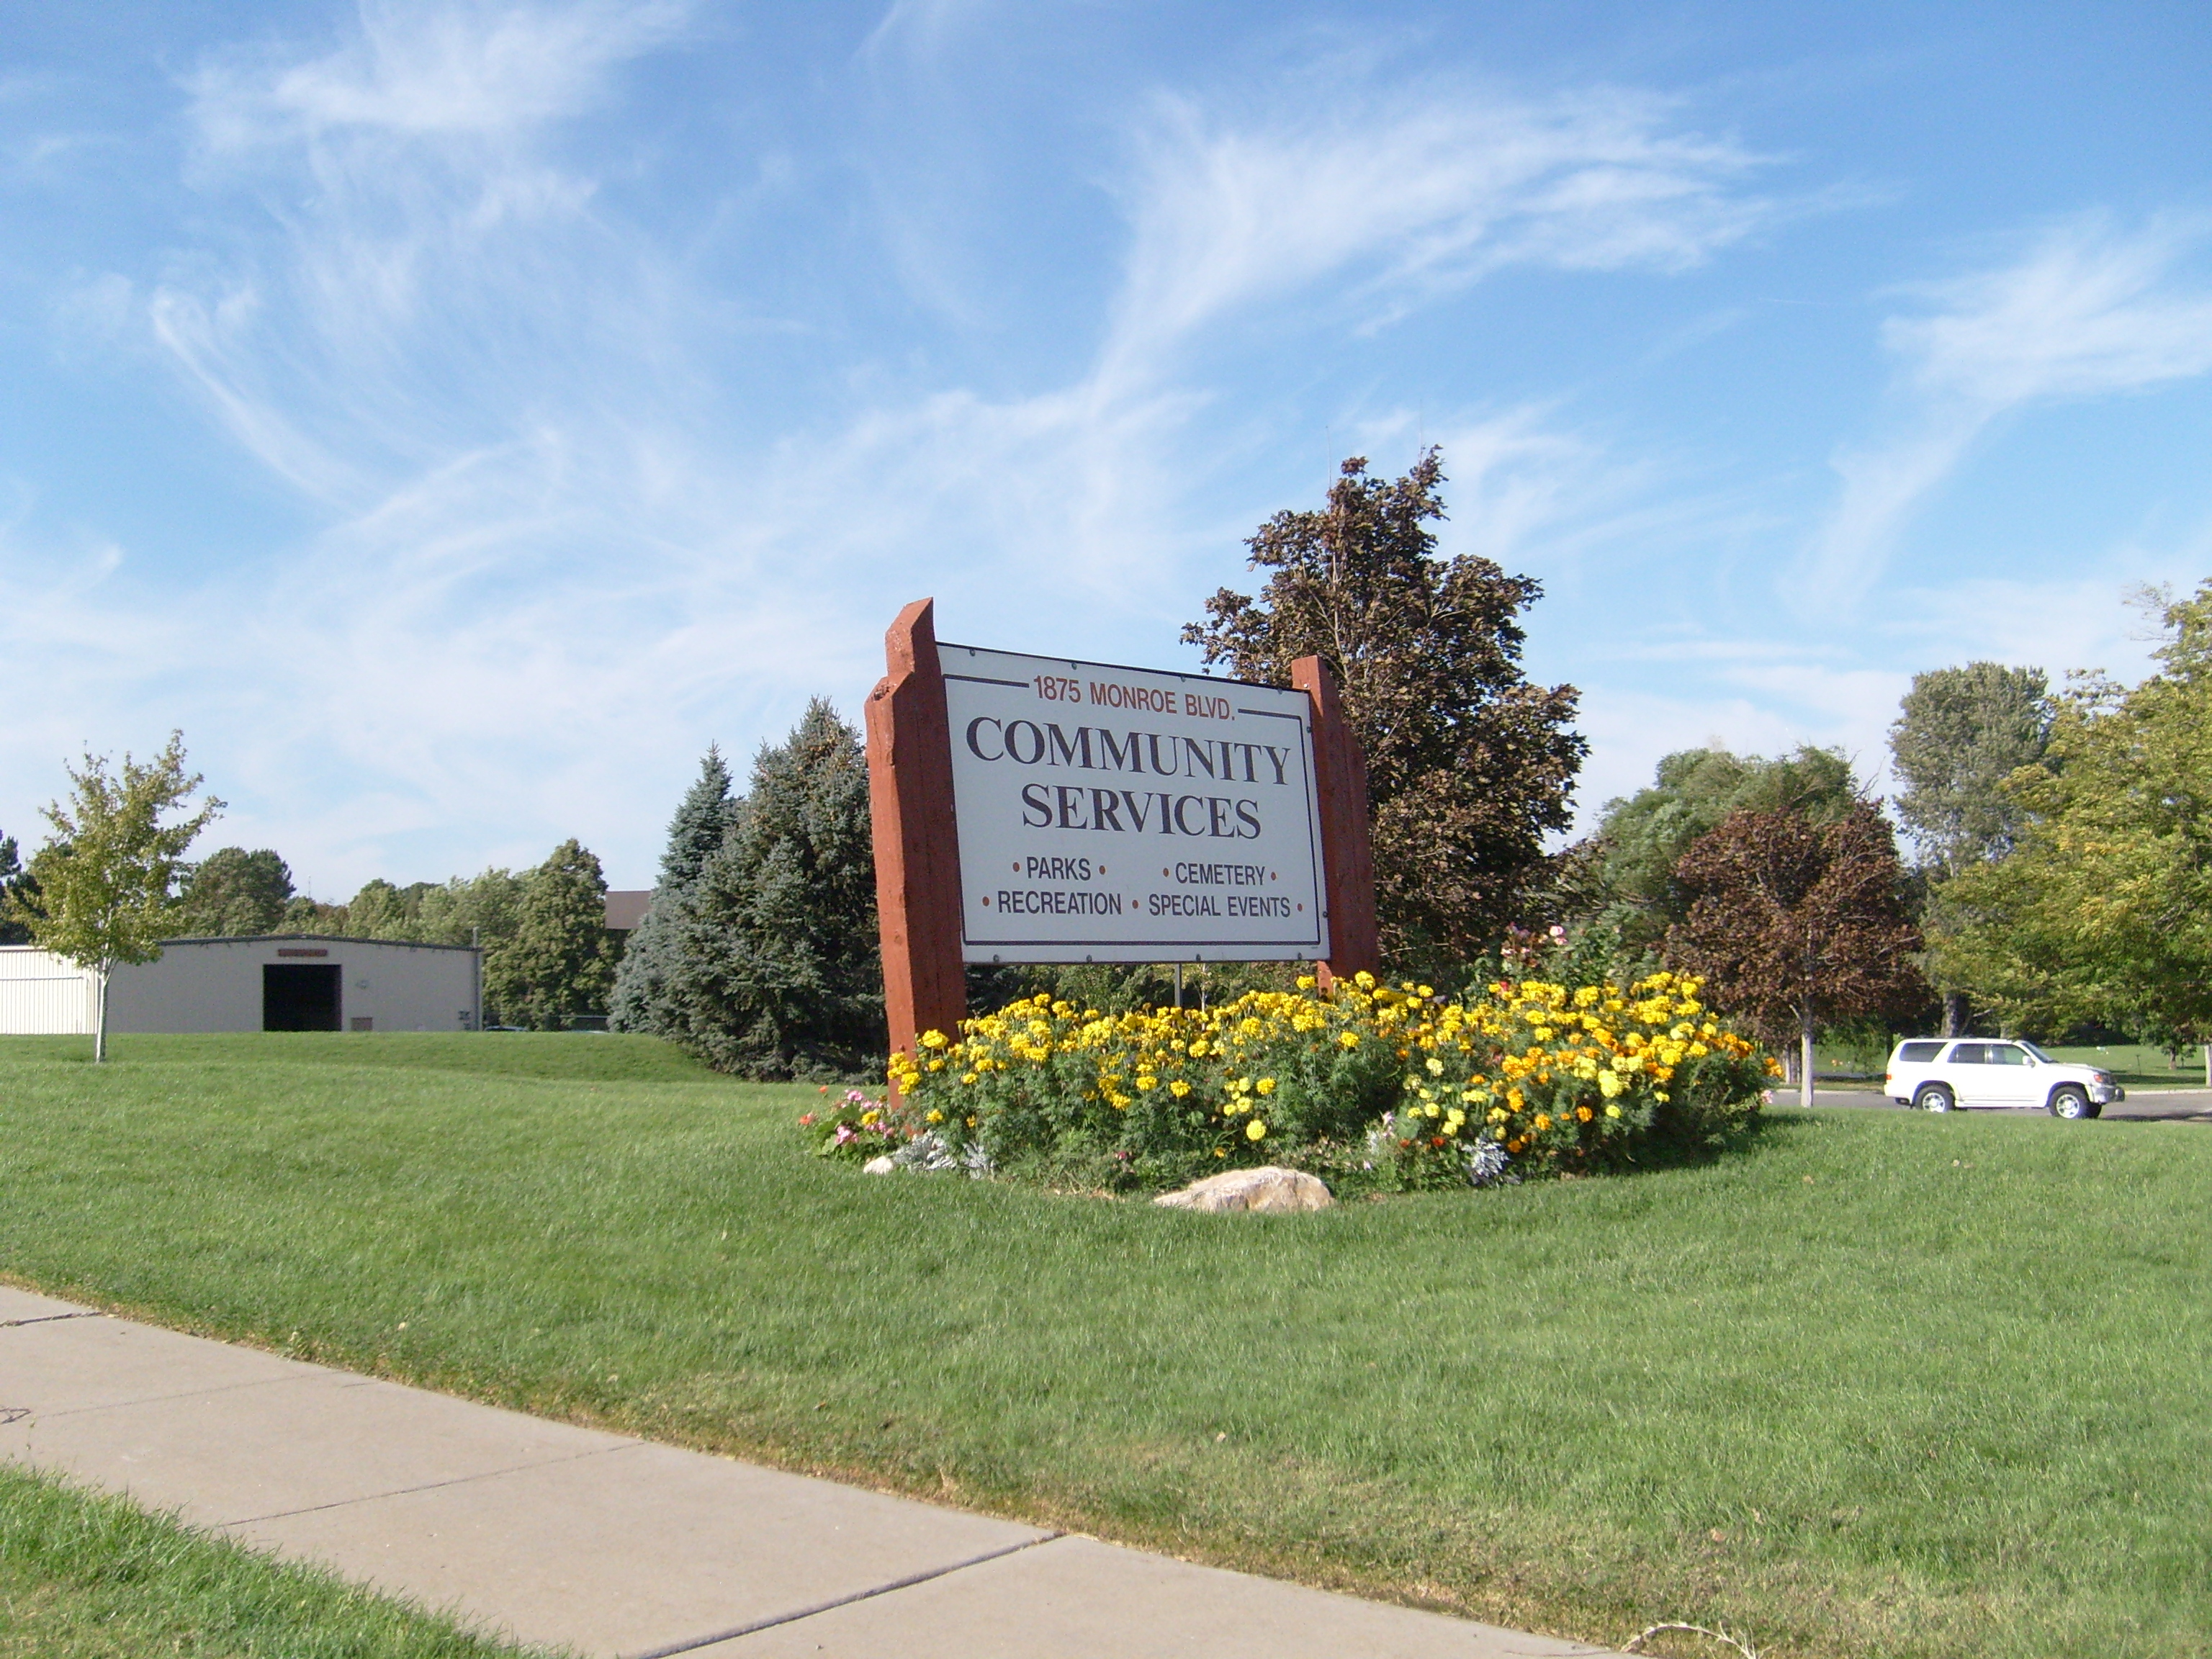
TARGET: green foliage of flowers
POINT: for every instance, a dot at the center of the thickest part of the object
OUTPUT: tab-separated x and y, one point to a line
1373	1085
854	1129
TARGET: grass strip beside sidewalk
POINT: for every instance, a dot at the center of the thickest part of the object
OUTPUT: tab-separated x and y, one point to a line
1888	1383
87	1575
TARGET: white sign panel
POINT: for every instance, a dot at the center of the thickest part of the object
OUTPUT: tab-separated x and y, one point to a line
1131	815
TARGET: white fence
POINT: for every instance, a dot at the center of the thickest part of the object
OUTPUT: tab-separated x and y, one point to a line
42	994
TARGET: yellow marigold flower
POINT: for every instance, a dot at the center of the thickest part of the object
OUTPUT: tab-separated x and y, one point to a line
1364	980
1266	1086
1347	1039
1178	1088
1584	1113
1256	1130
1497	1115
932	1039
1146	1082
1305	982
967	1077
1543	1122
936	1065
1612	1111
1435	1067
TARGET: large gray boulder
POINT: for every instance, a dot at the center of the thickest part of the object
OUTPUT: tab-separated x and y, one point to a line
1269	1188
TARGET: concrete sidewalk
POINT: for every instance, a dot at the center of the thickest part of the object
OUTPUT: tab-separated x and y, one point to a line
612	1546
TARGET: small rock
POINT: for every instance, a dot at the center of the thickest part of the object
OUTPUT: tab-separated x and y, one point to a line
1266	1189
879	1165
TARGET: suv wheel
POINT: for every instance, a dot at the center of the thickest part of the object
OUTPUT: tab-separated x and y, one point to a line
1934	1098
2070	1100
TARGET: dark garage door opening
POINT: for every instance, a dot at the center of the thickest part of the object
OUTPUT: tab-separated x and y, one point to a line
300	998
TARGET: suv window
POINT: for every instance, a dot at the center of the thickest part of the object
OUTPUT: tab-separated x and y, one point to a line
1969	1054
1918	1054
2006	1054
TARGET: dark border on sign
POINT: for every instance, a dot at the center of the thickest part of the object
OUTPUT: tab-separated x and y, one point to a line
942	646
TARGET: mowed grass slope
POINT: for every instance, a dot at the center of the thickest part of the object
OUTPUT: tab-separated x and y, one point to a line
1886	1384
86	1576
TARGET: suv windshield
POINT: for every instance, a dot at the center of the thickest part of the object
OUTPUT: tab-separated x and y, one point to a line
2036	1052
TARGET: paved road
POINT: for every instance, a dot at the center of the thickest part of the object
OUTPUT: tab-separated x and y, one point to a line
2142	1105
613	1545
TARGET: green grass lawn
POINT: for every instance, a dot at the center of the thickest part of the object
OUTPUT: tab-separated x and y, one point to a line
84	1576
1886	1384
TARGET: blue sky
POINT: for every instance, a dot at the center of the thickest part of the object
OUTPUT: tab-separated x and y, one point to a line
454	417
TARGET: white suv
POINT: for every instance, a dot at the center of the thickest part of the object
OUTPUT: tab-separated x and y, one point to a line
1936	1074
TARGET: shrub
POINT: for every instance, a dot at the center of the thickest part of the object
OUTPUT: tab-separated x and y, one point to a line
1372	1085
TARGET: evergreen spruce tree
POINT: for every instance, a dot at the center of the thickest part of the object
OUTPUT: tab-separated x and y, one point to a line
561	960
775	970
643	1000
18	892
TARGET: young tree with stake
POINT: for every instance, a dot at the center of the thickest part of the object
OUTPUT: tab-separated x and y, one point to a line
107	878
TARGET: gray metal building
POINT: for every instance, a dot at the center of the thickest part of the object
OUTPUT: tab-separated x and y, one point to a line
273	982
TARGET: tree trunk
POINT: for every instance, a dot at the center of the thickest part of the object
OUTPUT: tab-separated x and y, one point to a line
2208	1065
1954	1013
100	1022
1805	1065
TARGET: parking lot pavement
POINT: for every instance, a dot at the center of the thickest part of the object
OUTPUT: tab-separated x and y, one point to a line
2142	1105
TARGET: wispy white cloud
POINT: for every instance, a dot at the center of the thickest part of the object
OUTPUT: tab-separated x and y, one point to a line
1407	195
2090	310
490	70
552	563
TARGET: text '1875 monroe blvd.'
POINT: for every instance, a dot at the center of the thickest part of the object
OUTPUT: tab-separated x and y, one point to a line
1112	814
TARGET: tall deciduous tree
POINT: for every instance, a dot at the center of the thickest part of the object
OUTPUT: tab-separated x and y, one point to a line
233	891
1960	734
776	971
560	961
644	1000
1469	766
1619	886
107	878
2104	910
1793	924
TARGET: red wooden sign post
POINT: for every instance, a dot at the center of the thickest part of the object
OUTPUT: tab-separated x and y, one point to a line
918	848
1347	856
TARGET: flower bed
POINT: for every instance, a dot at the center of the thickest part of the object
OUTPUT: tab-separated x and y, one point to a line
1386	1087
